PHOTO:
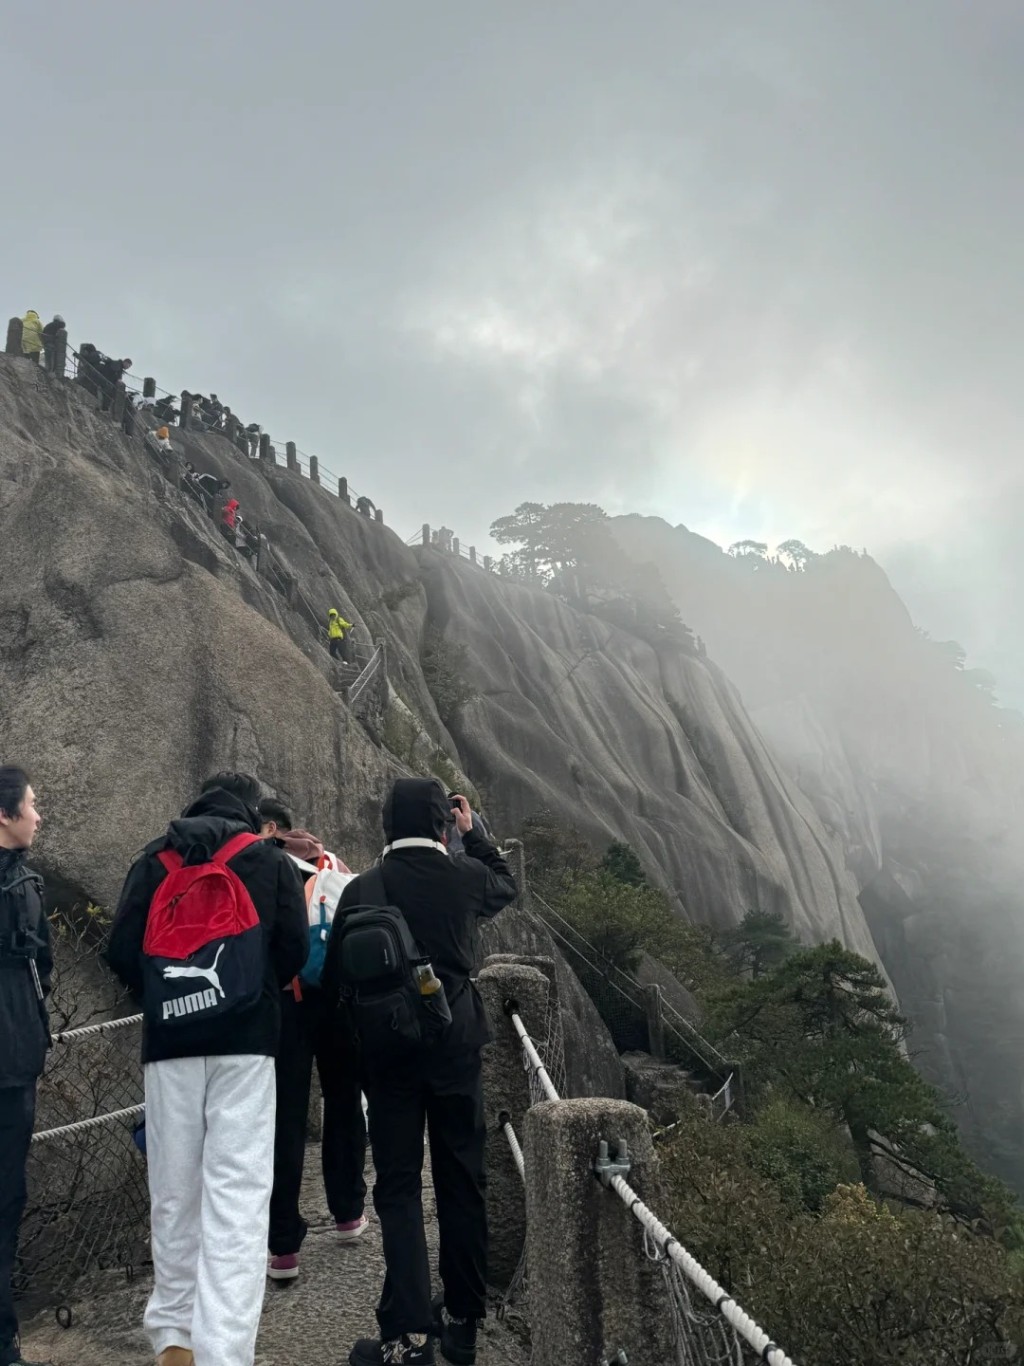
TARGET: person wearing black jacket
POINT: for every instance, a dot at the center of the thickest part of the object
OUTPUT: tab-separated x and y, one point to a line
442	900
210	1094
25	967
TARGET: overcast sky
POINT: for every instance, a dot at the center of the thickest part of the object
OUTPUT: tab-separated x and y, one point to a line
755	266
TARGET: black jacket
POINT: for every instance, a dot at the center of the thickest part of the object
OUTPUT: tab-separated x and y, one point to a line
442	899
24	946
272	881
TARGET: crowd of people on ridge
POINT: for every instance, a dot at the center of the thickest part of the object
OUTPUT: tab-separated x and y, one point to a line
256	952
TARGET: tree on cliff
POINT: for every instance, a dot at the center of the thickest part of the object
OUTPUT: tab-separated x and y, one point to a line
759	943
569	548
796	553
823	1028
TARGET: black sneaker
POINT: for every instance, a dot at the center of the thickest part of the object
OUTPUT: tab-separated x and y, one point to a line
456	1337
398	1352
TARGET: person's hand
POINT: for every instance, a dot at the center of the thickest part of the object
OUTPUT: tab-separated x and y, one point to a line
463	815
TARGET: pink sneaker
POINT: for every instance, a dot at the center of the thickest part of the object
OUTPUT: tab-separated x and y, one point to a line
284	1268
355	1228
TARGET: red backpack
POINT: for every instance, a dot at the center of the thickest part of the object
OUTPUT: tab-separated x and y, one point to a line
202	955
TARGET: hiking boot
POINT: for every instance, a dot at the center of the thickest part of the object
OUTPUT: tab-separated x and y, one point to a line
353	1229
175	1356
401	1351
284	1268
456	1337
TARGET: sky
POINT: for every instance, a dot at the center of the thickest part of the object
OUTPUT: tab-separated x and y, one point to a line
756	267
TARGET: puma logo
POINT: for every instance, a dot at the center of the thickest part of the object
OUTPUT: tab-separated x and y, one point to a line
209	973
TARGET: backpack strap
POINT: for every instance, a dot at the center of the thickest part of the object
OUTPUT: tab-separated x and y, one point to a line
234	846
171	860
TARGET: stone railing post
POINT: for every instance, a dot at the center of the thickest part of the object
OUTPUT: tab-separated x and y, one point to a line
117	402
13	347
378	516
263	556
149	387
314	470
593	1290
265	446
655	1021
507	1092
472	554
488	563
291	455
343	491
517	862
231	429
185	417
426	533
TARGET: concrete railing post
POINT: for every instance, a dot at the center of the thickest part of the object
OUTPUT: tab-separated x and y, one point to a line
593	1290
314	470
488	563
117	402
455	546
13	347
185	419
378	516
343	491
265	446
655	1021
291	455
149	387
426	533
507	1092
472	554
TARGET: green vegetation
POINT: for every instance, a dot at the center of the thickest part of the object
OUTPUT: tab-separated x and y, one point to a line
569	549
843	1211
445	665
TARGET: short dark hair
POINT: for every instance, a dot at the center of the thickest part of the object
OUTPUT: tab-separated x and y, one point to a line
13	786
241	785
271	809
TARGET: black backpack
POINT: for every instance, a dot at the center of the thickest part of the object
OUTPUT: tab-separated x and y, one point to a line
378	961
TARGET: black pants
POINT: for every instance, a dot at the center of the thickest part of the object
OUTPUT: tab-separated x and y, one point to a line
446	1093
305	1035
17	1113
339	648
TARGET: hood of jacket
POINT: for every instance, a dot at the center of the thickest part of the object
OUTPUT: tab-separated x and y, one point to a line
416	808
210	821
31	316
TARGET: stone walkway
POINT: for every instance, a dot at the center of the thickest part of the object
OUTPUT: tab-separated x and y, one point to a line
312	1321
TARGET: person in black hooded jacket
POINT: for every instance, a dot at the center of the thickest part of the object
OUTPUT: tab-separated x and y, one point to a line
210	1094
25	967
442	900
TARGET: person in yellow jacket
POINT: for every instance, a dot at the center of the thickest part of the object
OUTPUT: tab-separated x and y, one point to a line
31	335
337	626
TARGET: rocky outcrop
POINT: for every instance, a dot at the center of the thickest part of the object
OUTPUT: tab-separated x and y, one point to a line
912	770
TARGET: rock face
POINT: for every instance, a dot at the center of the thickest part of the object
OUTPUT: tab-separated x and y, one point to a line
138	653
914	771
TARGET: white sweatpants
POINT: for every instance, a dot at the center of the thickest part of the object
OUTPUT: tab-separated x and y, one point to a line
210	1148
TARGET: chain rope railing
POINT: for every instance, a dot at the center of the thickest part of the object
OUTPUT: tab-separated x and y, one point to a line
88	1201
702	1336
